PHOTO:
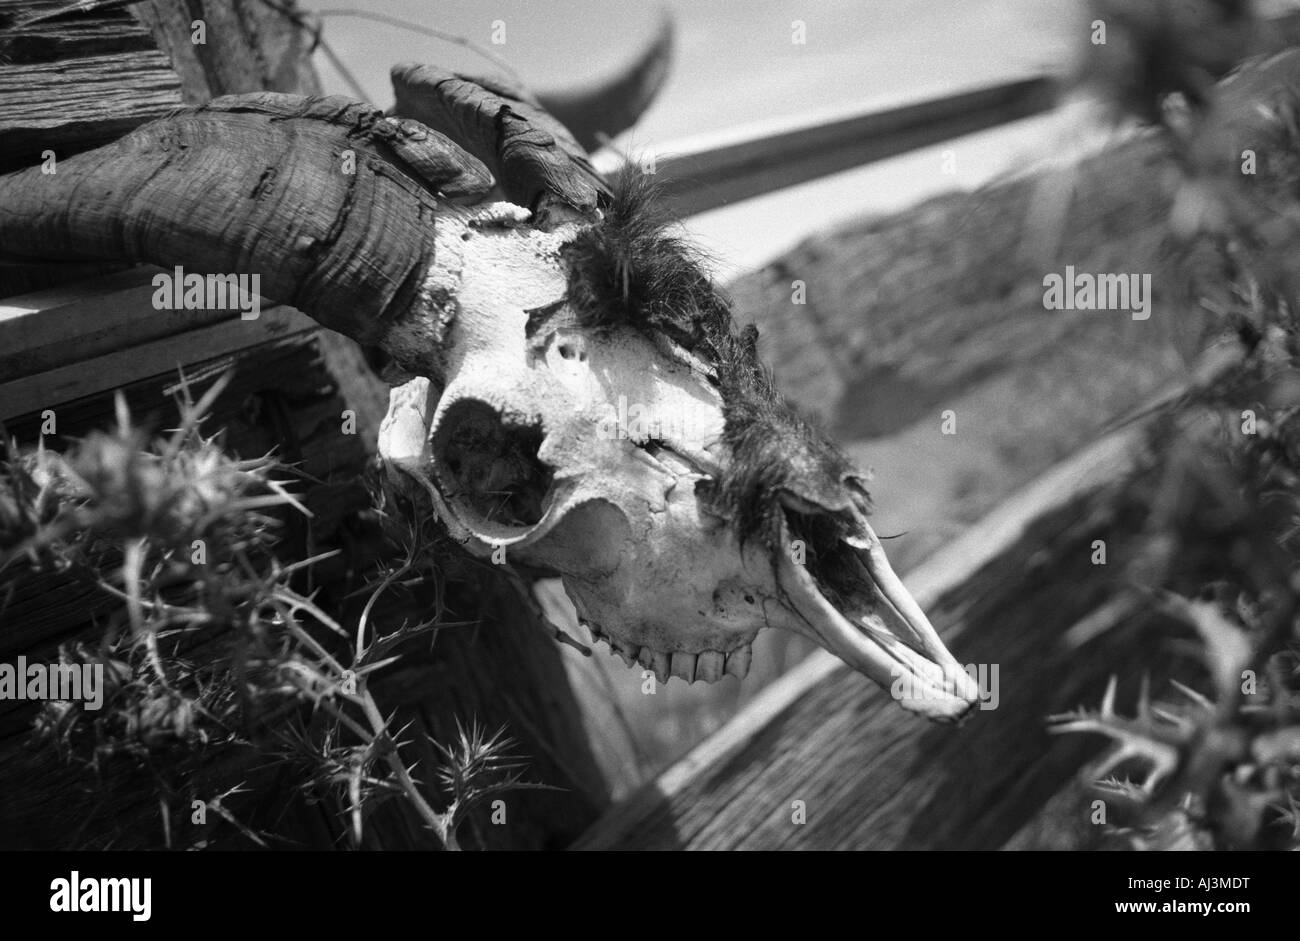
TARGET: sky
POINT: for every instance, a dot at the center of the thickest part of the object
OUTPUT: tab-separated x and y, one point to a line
736	66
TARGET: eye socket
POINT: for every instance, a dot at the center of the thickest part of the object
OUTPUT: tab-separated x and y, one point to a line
490	467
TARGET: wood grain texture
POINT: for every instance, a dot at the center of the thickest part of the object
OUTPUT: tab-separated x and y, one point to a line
74	82
934	308
88	337
251	45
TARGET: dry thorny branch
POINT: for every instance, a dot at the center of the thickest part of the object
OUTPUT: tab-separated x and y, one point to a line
209	646
1221	553
1222	769
1219	769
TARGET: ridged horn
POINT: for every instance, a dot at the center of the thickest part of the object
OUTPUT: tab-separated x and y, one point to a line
329	201
532	155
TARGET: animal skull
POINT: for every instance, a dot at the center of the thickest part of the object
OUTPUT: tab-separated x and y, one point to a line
575	393
595	452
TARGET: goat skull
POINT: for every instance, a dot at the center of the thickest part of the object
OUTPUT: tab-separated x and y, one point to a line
596	452
576	395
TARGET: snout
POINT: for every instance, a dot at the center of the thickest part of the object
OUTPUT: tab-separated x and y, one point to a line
855	606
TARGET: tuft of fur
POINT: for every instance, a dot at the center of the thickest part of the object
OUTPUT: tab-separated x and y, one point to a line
634	269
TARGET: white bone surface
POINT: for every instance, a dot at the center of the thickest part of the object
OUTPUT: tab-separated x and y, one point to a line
622	527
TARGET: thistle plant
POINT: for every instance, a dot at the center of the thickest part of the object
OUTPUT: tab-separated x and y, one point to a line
1219	765
1217	758
209	649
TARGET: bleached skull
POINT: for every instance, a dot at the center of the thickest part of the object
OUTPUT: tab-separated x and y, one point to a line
601	421
585	407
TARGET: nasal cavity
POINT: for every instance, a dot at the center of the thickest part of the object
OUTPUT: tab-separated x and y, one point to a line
491	464
569	349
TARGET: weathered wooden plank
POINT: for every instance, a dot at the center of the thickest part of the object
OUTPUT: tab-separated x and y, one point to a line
110	95
72	79
73	82
871	777
83	320
249	45
83	377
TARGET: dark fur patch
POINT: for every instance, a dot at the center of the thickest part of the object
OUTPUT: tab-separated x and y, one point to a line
634	269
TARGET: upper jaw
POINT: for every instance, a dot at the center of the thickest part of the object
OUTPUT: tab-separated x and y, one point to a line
887	638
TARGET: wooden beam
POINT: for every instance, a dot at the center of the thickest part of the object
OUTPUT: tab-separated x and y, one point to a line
739	163
250	45
750	161
70	83
76	340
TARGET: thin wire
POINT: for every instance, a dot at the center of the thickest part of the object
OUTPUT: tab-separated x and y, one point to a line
311	23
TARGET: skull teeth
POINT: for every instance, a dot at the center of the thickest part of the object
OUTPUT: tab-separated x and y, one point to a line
627	652
683	665
708	666
738	661
656	661
661	663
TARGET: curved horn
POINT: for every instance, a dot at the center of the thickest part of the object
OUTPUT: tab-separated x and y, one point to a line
596	112
532	155
328	201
